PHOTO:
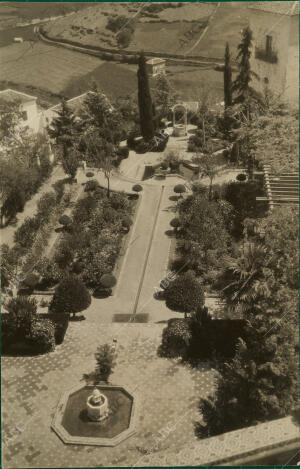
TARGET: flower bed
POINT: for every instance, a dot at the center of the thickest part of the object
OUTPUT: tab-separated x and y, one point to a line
94	239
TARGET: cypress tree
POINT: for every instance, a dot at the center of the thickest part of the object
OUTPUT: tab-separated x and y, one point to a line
62	128
227	78
144	99
241	85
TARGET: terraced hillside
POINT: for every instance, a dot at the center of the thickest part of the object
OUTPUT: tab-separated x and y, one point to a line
174	28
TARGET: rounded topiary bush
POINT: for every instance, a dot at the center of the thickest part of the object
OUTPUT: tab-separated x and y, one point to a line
108	281
179	189
185	294
137	188
65	220
241	177
164	165
89	174
101	292
175	223
70	296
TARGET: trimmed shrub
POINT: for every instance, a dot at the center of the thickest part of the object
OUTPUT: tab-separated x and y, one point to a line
164	165
143	147
175	223
137	188
100	292
160	144
89	174
31	280
108	281
179	189
185	294
42	335
78	267
70	296
21	312
65	220
8	332
59	187
123	152
91	185
176	338
126	222
241	177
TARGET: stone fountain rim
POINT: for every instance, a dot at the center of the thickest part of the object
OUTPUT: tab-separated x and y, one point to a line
58	428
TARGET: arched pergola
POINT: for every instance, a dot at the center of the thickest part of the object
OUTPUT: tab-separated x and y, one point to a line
179	129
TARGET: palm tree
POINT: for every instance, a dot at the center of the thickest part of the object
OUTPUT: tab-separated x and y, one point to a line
244	278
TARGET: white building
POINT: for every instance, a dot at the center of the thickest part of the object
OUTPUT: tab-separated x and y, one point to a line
275	57
156	66
31	117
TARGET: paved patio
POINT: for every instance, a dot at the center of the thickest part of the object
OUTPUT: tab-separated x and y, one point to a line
169	392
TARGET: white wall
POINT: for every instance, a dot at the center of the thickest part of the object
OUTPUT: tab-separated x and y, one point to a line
283	75
292	75
33	117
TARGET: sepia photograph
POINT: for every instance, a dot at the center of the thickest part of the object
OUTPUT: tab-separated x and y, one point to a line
149	245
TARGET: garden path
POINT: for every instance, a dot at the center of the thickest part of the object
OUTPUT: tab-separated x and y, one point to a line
146	259
144	263
7	233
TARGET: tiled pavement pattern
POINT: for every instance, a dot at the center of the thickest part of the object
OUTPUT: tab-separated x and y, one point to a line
169	393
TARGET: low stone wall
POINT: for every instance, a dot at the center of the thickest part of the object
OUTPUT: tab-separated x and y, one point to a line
234	446
132	55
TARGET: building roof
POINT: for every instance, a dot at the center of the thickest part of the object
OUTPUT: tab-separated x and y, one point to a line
155	61
282	7
74	103
12	96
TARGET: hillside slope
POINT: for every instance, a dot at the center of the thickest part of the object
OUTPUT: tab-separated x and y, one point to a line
176	29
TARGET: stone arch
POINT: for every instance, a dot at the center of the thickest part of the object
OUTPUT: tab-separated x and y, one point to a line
179	129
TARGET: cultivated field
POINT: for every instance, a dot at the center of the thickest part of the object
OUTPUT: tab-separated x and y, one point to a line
20	12
44	66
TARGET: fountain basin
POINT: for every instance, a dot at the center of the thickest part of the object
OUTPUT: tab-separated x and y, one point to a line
73	423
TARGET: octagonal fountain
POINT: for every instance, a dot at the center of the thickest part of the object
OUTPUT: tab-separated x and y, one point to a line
101	415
